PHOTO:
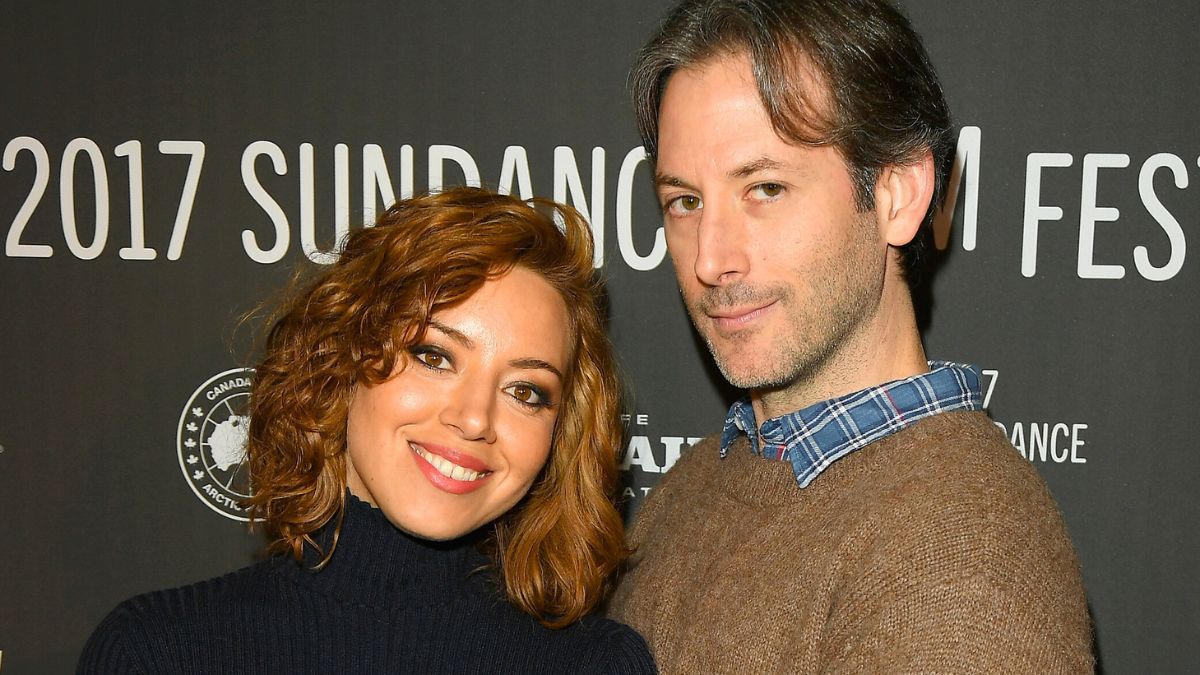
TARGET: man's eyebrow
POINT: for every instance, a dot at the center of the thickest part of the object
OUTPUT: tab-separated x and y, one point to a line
456	335
756	165
662	180
536	364
745	170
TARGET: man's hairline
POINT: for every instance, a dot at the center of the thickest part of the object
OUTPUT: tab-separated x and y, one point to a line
815	74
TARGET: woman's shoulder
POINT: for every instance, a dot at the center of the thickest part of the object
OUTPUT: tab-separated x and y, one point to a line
196	599
143	633
617	647
593	644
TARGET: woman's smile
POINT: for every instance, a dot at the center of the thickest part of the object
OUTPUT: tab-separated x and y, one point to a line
461	474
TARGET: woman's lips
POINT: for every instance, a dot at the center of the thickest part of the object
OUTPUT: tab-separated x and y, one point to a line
450	470
454	456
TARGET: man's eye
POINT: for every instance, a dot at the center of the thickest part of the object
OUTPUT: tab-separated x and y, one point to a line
684	204
767	190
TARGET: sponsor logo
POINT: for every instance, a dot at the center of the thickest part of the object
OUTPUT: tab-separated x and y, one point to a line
211	442
646	456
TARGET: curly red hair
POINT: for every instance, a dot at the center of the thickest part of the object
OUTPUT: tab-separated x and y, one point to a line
354	324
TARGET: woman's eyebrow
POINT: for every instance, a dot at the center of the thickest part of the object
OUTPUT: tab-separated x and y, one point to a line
528	363
456	335
536	364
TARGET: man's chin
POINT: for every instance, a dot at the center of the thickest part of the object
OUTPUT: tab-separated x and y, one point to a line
743	374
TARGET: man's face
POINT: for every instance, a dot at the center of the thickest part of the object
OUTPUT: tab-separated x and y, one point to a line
778	269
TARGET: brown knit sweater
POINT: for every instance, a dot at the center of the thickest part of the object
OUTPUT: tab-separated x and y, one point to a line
935	550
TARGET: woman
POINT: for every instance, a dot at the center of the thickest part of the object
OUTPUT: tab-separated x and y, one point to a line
444	388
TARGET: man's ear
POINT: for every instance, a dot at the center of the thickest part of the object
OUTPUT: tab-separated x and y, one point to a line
902	196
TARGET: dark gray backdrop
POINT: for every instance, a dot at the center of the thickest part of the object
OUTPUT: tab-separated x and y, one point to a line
1089	344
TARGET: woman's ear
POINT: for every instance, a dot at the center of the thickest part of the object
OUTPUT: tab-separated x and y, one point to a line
902	196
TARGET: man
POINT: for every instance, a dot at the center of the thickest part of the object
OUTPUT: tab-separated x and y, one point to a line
859	512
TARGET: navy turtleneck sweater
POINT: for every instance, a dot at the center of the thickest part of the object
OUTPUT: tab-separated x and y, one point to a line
386	602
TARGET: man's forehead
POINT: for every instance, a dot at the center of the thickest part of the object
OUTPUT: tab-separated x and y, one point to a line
796	98
713	103
713	123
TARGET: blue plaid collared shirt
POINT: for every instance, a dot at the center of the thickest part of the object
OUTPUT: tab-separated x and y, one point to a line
815	437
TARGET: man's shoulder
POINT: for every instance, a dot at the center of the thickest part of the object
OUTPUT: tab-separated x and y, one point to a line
682	485
952	518
706	451
953	481
963	451
693	465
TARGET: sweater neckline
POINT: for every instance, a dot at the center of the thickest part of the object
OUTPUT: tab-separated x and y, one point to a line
774	483
375	564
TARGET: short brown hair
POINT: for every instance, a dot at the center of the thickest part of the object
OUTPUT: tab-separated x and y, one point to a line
886	105
354	324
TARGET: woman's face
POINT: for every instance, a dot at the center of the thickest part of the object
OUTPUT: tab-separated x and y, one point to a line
457	437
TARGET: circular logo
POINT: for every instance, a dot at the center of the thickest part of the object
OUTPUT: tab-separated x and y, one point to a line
213	429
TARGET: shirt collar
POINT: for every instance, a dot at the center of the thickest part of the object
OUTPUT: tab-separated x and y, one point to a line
814	437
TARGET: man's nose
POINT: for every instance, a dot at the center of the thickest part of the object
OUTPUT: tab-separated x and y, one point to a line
721	253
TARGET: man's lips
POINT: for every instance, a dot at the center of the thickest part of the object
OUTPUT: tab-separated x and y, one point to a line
734	318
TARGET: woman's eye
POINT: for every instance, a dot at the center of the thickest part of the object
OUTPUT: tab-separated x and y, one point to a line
767	190
431	358
684	204
528	395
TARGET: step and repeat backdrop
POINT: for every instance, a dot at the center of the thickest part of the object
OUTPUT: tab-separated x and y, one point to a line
168	166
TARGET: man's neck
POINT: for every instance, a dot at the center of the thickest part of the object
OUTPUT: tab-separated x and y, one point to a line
885	347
